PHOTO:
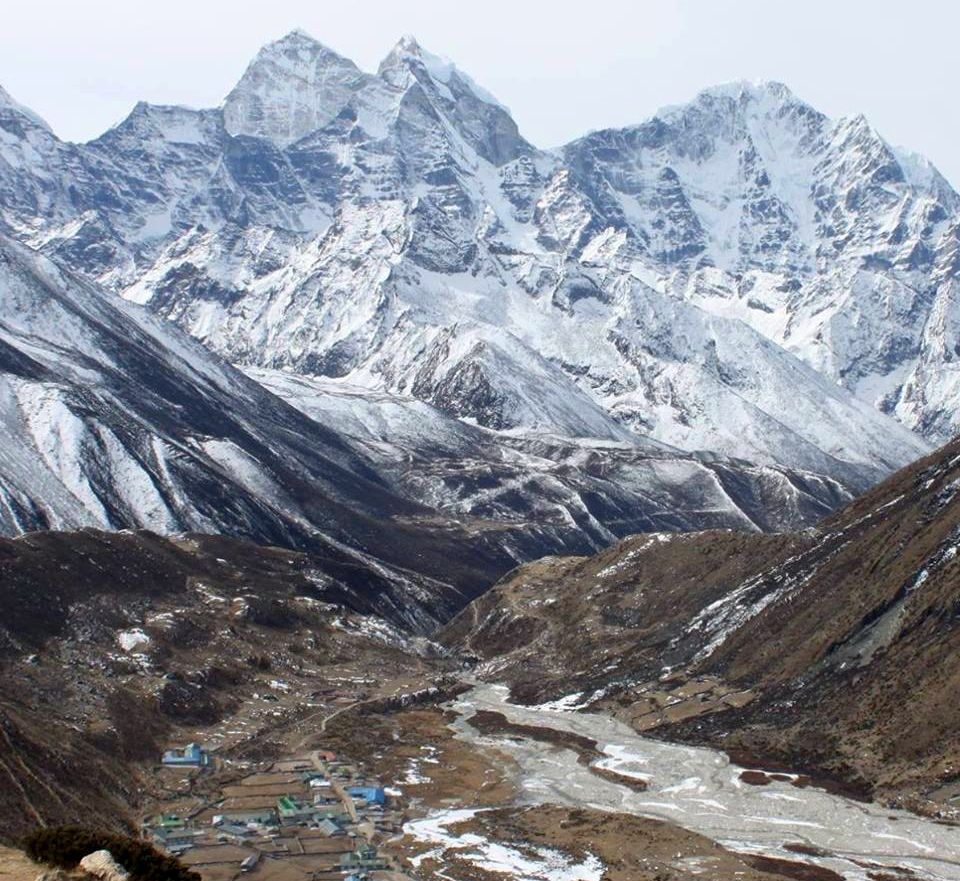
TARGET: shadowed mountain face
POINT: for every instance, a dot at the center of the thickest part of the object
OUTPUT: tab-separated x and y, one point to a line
715	279
115	419
834	649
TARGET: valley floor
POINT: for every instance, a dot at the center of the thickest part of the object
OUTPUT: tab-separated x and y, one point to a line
775	815
478	788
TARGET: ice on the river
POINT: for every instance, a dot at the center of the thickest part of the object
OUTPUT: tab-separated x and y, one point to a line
534	863
701	790
567	703
624	762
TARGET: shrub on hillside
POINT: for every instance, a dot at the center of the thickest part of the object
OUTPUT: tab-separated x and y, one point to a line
65	846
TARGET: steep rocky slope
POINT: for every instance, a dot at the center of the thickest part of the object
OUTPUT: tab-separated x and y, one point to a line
127	418
590	490
580	624
114	418
395	229
114	645
835	649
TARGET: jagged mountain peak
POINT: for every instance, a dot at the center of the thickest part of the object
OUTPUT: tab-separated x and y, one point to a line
409	57
409	50
478	117
736	113
408	43
296	86
858	137
174	122
298	44
742	102
920	172
857	131
293	86
10	106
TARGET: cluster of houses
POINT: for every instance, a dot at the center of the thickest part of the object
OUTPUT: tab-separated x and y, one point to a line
171	832
282	805
311	811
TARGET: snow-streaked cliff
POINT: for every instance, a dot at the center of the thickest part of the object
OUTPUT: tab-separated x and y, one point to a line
739	275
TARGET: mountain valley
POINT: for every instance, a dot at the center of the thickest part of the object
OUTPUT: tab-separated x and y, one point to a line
832	649
384	497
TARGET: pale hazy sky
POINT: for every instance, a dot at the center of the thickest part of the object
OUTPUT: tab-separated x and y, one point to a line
562	67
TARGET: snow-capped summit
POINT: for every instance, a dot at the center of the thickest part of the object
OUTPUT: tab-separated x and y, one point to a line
739	274
406	50
294	86
409	56
452	97
745	95
754	90
815	232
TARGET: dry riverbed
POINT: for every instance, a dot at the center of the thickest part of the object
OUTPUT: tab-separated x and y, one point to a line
783	828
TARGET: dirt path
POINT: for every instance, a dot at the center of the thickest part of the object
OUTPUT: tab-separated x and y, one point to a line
325	720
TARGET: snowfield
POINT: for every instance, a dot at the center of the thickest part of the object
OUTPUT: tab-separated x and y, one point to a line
535	863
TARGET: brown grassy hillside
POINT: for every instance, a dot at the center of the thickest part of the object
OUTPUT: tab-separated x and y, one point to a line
842	643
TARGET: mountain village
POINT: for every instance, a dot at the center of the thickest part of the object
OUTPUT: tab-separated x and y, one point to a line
300	818
384	497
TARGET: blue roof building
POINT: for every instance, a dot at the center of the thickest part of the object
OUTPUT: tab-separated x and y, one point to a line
372	795
191	756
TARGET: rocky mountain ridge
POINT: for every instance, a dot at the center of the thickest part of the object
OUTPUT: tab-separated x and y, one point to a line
114	418
395	230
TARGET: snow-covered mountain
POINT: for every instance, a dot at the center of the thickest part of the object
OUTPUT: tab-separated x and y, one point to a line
114	418
815	232
740	275
570	492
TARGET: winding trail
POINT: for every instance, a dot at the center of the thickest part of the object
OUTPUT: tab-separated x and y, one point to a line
325	719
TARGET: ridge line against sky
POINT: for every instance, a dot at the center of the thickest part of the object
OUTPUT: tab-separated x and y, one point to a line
562	69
